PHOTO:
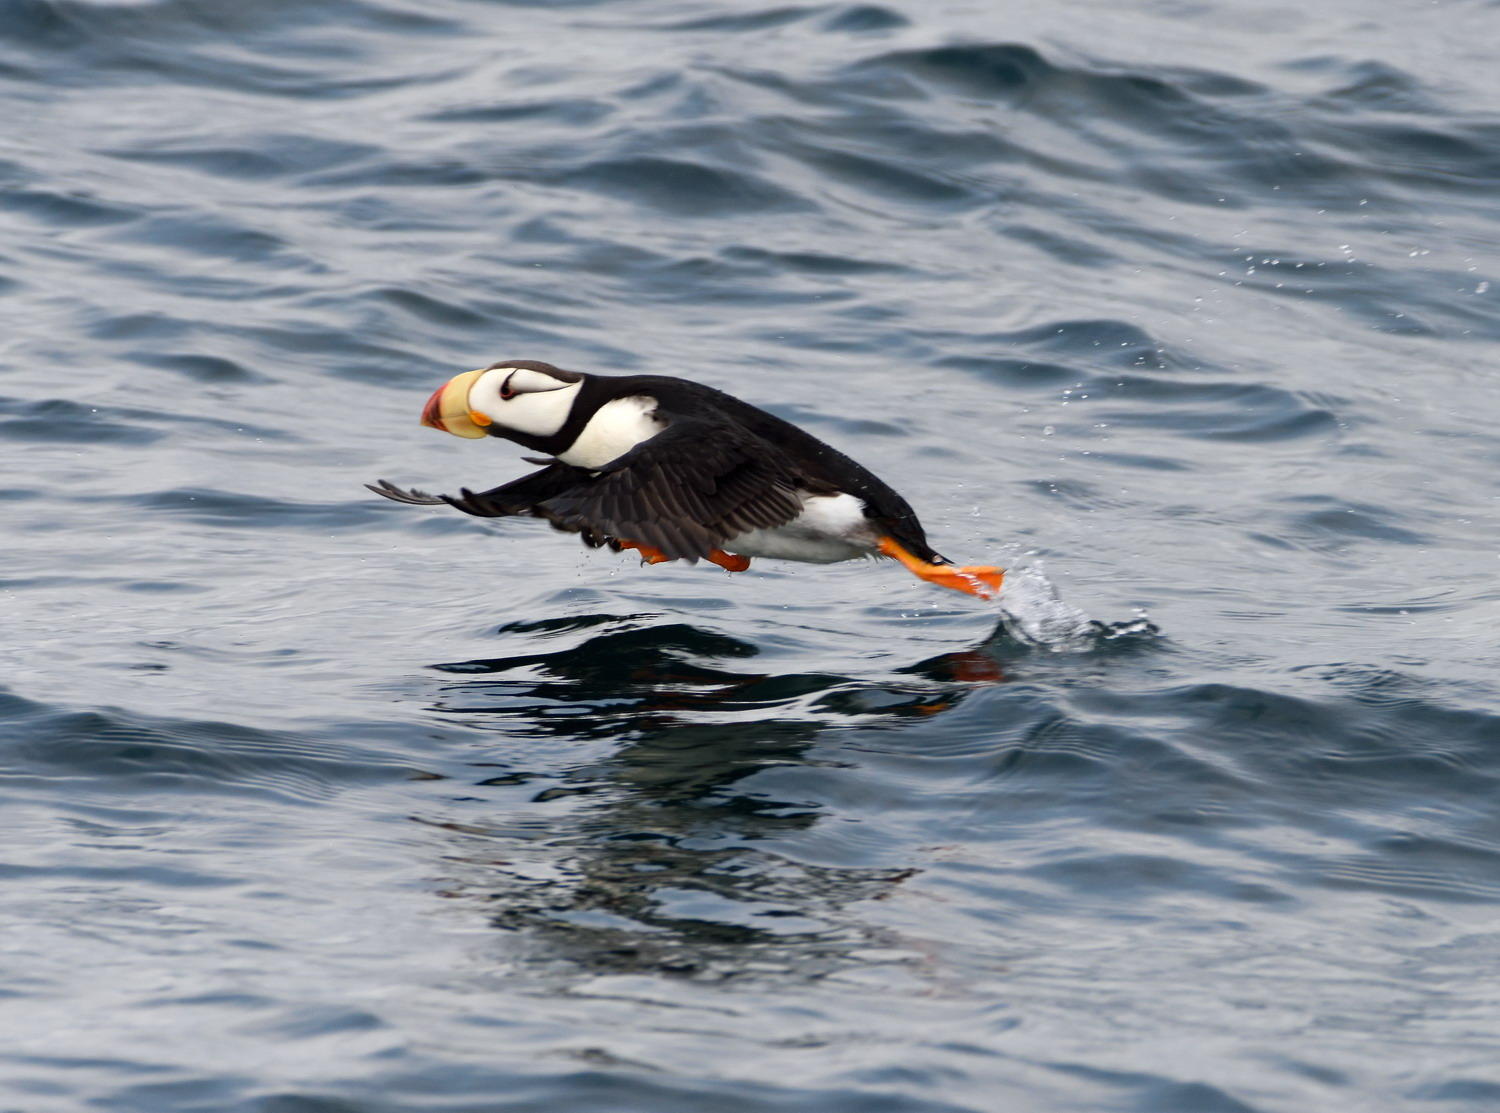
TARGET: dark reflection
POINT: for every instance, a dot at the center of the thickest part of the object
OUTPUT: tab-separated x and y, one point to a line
673	856
636	679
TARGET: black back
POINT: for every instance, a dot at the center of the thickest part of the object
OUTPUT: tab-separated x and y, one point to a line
820	467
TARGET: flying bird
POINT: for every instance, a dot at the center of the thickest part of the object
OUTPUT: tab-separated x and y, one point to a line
676	470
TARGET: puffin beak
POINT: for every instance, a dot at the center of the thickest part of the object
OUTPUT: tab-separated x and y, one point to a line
448	408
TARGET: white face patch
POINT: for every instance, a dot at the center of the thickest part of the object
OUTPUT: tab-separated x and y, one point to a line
538	404
616	427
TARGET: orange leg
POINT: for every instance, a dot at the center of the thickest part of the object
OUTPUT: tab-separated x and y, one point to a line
730	562
981	580
649	553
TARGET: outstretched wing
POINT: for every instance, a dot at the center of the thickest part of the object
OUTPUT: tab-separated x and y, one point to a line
412	497
685	491
518	497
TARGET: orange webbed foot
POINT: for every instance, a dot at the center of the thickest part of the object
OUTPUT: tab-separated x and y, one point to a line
649	553
982	580
730	562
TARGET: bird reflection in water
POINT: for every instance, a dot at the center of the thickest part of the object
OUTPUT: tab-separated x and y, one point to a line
672	853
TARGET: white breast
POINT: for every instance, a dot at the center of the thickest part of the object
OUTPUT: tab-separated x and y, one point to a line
830	528
616	427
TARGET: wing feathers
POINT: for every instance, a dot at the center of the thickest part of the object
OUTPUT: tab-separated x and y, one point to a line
400	494
685	491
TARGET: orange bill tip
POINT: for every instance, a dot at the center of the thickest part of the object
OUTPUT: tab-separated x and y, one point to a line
431	412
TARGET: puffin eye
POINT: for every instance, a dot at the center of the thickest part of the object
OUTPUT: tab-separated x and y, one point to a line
506	394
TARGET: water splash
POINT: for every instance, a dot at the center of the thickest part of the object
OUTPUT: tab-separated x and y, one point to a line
1033	613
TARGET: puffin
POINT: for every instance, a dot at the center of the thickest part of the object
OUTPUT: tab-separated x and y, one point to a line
676	470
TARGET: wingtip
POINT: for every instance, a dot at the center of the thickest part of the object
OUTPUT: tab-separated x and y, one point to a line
400	494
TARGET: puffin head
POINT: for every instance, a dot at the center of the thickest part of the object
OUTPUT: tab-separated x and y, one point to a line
512	396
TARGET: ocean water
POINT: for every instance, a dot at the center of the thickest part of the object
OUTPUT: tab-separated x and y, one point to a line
1187	313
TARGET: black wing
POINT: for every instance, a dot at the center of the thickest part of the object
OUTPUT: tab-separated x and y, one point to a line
518	497
686	491
412	497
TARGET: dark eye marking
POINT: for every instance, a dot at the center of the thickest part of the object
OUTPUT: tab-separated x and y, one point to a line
506	394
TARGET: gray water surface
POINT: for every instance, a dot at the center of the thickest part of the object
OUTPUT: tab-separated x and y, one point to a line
318	804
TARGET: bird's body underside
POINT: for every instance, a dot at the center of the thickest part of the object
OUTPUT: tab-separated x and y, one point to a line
678	471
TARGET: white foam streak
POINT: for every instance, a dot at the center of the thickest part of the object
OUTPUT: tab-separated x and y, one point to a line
1035	614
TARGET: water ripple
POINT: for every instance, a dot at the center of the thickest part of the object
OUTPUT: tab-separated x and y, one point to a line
1193	304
